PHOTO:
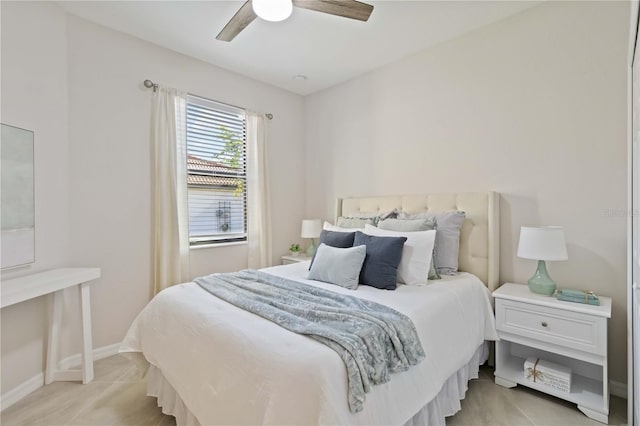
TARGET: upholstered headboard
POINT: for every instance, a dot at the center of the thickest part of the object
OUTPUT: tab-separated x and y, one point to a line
480	236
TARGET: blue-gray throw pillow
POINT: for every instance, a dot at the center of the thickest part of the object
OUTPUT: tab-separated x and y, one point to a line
380	268
339	266
334	239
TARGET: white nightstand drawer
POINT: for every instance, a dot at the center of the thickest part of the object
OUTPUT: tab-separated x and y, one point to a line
551	325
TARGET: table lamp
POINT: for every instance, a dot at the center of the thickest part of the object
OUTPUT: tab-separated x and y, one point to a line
541	244
311	228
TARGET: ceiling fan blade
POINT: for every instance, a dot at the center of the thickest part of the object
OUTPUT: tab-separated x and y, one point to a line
346	8
243	17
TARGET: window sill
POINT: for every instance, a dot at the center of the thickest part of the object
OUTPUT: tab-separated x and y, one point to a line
207	246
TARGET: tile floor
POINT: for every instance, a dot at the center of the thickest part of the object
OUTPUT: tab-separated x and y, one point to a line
489	404
117	397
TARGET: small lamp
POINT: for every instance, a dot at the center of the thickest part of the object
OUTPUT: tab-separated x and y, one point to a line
311	228
542	243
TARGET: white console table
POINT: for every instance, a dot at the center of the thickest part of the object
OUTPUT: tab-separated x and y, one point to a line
54	282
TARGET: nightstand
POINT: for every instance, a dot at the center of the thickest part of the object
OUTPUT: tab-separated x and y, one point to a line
565	333
294	259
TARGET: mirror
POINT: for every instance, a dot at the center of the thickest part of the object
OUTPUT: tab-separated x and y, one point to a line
17	208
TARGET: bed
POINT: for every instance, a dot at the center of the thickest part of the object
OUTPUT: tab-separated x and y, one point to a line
210	362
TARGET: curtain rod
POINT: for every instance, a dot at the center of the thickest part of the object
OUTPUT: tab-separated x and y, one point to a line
151	85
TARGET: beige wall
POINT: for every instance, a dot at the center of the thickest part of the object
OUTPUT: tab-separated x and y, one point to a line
34	96
533	107
93	170
110	168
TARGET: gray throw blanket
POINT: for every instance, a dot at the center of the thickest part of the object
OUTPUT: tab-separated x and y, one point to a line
373	340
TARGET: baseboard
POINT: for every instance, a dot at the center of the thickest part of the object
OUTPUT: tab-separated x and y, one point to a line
14	395
618	389
98	353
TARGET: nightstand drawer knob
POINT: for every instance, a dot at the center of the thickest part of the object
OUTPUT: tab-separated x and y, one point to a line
544	324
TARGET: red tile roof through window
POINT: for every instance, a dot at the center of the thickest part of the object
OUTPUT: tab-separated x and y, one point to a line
204	169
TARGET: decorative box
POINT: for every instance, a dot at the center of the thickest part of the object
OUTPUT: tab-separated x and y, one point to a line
548	373
578	296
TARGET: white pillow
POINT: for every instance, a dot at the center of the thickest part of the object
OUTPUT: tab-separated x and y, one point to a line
416	253
329	227
340	266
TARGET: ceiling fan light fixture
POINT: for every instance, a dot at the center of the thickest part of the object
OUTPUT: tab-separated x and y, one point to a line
273	10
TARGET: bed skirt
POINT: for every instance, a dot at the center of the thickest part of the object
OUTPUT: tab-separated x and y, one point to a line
445	404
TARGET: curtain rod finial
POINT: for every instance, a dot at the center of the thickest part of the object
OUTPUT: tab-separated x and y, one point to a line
150	84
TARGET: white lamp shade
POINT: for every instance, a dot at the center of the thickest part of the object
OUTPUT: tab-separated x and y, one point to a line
273	10
542	243
311	228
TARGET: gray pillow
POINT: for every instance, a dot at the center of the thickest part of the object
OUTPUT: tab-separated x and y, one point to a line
340	266
360	219
380	267
334	239
354	222
337	239
414	225
448	225
408	225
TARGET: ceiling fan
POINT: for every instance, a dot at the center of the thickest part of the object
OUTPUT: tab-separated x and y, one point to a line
278	10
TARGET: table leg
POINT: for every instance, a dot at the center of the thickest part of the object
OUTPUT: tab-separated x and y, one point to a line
87	345
55	301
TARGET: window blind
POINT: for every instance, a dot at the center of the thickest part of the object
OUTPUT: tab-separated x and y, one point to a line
216	167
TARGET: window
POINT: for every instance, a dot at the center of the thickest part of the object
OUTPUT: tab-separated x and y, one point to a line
216	172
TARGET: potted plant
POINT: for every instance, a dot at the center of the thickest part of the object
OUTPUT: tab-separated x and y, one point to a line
294	249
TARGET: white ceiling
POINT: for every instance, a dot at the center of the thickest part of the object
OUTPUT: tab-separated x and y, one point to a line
327	49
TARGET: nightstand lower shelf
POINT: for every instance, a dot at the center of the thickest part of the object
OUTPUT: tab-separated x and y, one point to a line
586	392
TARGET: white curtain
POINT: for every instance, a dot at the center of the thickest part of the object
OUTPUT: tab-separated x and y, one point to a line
258	212
169	196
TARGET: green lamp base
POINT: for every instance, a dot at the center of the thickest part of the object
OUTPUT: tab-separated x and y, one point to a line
311	249
541	282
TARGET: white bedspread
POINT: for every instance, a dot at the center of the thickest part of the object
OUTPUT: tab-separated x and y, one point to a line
232	367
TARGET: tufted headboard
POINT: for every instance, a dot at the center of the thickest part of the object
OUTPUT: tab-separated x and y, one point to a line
480	236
